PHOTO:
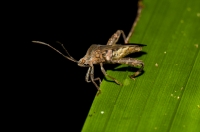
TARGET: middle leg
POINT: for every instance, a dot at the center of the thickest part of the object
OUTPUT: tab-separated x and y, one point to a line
105	74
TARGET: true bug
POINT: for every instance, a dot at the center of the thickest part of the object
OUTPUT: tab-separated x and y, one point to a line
111	53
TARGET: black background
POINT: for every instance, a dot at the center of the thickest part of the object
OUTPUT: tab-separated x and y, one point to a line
50	91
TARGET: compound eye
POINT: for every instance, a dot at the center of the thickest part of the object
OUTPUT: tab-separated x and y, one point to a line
82	61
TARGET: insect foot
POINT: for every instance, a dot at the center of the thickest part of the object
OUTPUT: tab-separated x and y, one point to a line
98	92
138	63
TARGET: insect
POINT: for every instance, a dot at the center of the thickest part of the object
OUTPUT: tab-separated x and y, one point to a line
111	53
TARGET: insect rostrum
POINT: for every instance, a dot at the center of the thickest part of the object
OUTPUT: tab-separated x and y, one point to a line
111	53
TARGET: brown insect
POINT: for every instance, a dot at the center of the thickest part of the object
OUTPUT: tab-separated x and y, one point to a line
111	53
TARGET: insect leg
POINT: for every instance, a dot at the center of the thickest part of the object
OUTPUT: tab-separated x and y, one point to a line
115	37
113	40
140	7
88	74
105	74
131	62
93	80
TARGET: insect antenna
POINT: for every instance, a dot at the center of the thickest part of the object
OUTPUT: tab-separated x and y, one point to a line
65	49
70	57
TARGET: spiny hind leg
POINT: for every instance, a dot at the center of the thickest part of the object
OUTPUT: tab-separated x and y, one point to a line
140	63
131	62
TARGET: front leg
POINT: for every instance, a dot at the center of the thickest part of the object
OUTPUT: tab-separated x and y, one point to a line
115	37
93	80
131	62
87	77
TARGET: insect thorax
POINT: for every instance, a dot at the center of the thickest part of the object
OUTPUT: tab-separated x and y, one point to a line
93	55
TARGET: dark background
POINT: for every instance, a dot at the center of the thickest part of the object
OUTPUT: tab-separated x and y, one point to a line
51	91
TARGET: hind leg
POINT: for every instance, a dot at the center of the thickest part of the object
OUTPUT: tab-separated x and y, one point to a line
131	62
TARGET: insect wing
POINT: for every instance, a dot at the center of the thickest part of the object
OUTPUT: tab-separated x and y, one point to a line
118	46
135	44
120	51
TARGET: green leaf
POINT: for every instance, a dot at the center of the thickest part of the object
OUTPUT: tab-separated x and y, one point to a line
166	97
